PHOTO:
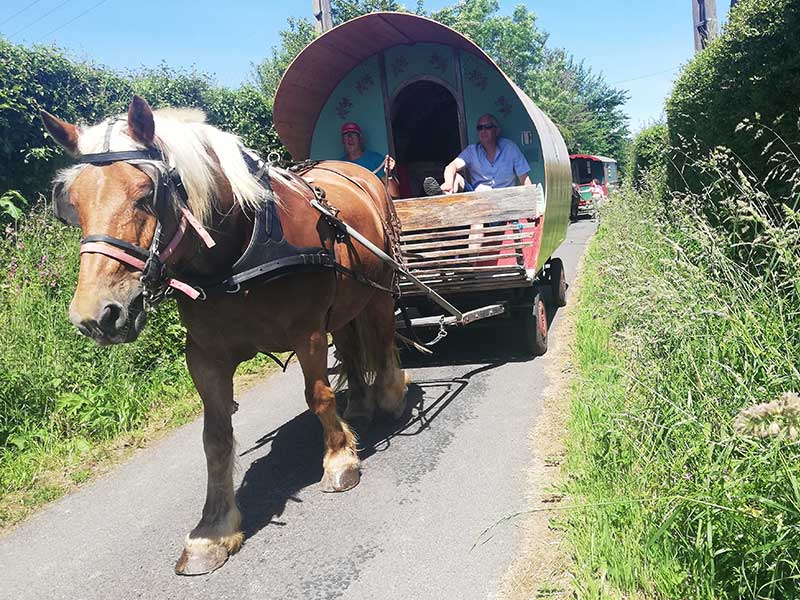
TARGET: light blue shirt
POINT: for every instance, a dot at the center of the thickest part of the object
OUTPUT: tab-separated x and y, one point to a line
369	160
509	163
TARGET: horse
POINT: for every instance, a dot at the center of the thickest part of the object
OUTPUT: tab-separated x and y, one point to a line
147	176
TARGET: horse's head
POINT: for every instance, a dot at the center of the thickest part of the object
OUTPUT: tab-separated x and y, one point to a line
113	201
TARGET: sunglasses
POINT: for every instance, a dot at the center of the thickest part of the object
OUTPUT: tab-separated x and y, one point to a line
483	126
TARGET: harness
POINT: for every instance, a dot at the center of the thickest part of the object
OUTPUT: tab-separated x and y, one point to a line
268	255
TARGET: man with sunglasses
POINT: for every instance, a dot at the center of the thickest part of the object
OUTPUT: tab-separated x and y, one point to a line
355	152
494	162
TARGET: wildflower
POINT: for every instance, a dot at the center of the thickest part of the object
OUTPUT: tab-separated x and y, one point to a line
771	419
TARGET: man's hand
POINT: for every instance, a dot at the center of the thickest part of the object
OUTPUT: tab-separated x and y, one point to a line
388	164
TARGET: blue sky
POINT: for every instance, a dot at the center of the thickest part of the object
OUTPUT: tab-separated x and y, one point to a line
638	44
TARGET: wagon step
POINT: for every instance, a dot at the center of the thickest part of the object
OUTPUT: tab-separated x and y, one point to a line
467	317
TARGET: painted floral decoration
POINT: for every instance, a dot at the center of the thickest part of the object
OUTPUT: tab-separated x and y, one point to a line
364	83
343	107
503	106
439	62
398	65
478	78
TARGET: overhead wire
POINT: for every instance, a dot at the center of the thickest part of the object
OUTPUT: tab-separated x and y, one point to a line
19	12
47	14
672	70
72	20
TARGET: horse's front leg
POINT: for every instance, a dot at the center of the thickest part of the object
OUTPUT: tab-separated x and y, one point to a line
218	533
341	464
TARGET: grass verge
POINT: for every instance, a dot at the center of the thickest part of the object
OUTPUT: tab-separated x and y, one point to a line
674	340
68	408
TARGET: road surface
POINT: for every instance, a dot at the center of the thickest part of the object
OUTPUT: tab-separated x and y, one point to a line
413	529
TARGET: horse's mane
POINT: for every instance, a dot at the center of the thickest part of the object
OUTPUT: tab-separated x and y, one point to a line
191	146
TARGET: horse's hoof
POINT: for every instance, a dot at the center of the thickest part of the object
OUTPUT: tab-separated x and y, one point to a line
341	481
200	560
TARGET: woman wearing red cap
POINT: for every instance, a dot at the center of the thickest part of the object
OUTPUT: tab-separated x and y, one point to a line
355	152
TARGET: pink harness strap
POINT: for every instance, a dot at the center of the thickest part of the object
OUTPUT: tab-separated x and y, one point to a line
120	255
198	227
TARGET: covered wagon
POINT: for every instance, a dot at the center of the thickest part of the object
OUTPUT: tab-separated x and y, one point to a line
417	88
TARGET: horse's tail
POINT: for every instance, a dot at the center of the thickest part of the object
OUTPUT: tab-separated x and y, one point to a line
359	353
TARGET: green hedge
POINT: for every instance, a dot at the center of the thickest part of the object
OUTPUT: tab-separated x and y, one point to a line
647	156
44	77
750	72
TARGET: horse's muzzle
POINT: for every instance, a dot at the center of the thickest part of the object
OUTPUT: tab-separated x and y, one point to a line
115	323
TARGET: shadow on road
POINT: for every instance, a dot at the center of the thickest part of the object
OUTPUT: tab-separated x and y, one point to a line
492	340
295	457
296	449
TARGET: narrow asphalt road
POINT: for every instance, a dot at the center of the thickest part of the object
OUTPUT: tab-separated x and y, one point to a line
413	528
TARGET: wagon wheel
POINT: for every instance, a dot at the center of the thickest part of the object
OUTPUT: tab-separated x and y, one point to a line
558	282
534	327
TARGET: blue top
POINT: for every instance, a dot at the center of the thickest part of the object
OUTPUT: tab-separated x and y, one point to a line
508	162
369	160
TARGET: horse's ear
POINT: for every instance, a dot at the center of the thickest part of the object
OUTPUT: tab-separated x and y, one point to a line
64	133
141	126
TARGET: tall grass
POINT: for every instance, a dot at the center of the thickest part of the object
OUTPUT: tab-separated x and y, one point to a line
681	326
59	392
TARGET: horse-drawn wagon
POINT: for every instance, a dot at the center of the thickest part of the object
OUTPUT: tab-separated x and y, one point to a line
167	202
416	88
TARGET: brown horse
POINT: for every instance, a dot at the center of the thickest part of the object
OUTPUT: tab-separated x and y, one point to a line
116	196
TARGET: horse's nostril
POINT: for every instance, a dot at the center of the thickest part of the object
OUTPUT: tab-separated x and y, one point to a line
109	317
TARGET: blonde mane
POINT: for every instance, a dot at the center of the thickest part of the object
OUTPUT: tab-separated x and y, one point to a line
198	151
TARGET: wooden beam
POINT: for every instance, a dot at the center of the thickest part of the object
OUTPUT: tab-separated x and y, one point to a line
471	208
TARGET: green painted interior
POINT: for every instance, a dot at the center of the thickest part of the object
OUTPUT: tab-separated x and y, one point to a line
406	62
358	97
487	91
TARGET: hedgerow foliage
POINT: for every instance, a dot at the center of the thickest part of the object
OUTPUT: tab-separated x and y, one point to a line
647	156
44	77
750	72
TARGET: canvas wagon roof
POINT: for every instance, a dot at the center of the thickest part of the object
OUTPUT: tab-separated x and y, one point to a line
315	72
594	157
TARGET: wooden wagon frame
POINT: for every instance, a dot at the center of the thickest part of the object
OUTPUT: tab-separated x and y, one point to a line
465	257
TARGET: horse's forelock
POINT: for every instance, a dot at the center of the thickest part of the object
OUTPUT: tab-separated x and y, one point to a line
185	139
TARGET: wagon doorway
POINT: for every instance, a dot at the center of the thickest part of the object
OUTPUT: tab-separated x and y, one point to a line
427	133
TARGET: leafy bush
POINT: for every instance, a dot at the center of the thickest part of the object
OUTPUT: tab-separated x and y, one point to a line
44	77
749	72
647	158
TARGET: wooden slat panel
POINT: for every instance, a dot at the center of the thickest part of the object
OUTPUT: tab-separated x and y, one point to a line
487	269
478	239
460	287
441	262
468	252
472	208
452	233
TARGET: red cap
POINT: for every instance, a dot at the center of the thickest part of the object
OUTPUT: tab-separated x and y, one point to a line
351	127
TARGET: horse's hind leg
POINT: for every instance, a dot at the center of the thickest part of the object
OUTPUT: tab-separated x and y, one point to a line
389	390
217	534
341	464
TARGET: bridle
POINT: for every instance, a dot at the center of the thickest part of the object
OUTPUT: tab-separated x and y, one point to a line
167	185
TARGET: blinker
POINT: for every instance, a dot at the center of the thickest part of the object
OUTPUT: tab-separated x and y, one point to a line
62	207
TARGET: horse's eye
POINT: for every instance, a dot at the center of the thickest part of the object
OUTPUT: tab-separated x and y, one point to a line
145	203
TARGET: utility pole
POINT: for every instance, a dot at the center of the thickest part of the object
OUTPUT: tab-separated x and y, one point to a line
704	14
323	20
